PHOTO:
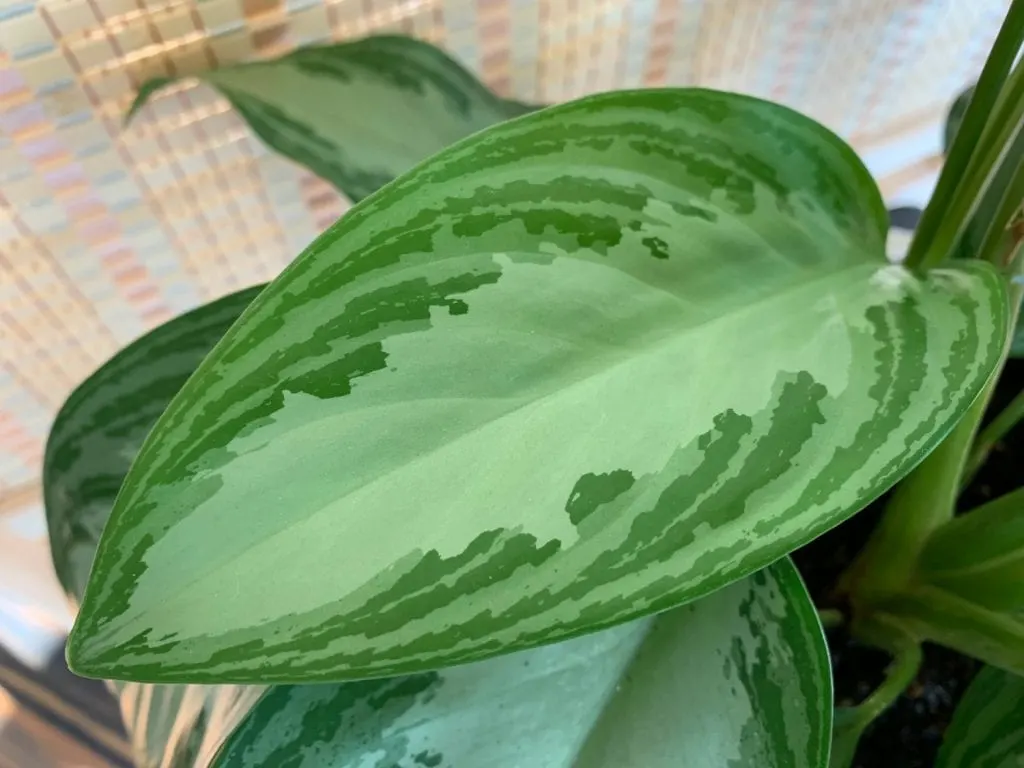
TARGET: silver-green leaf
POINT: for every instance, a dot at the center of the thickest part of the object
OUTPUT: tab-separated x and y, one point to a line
754	650
357	113
987	730
740	678
581	367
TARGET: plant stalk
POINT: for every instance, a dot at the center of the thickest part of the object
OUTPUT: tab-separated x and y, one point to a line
969	165
996	430
992	245
851	722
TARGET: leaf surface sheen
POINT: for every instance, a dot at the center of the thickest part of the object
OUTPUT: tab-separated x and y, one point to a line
583	366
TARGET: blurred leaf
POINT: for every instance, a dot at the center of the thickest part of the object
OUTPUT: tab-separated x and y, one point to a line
100	428
980	555
359	113
987	730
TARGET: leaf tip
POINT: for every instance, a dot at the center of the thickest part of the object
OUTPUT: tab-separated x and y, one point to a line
147	89
78	655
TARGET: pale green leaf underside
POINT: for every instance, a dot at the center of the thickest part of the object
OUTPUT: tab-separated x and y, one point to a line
358	113
987	730
740	678
98	431
583	366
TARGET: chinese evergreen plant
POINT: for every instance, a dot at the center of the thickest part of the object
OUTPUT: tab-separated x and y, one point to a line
505	467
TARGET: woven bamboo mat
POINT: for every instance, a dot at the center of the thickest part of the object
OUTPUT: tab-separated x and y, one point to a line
105	232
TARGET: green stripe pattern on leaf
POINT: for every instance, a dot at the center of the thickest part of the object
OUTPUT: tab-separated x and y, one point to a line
583	366
357	113
987	730
740	678
754	650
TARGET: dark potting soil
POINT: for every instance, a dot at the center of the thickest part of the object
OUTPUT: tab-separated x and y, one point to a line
909	734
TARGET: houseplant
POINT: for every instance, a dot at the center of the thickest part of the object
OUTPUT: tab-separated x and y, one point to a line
497	392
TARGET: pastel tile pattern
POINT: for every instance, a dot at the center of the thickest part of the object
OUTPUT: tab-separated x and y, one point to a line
106	232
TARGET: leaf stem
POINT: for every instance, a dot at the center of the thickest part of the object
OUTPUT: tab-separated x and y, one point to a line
996	430
931	613
851	722
969	164
992	245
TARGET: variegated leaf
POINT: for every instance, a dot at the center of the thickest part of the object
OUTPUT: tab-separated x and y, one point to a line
358	113
987	730
740	678
755	649
99	429
581	367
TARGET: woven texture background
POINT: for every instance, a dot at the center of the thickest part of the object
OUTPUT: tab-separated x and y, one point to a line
105	231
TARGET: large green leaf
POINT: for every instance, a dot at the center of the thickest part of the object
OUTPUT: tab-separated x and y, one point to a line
987	730
99	429
581	367
358	113
740	678
755	649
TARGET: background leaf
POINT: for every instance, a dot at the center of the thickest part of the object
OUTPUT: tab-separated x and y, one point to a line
583	366
987	730
931	613
740	678
100	428
94	439
358	113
